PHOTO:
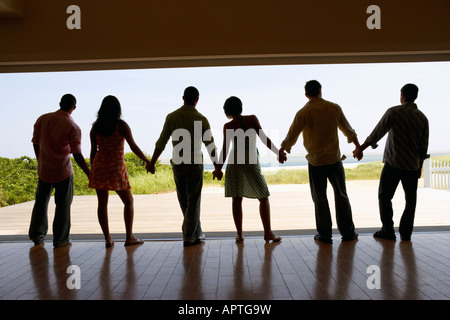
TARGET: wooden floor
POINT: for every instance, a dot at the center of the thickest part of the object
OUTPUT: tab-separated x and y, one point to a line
220	269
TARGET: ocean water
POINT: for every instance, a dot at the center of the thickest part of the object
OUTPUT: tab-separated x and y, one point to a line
300	161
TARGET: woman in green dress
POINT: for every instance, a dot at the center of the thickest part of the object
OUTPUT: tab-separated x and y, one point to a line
243	176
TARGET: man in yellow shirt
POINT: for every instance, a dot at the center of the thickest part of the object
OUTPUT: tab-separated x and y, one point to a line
319	120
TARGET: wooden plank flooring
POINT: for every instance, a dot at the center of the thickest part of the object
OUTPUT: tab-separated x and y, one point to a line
298	268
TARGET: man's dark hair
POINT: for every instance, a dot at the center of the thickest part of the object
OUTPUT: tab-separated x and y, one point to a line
410	92
67	102
232	106
312	88
190	95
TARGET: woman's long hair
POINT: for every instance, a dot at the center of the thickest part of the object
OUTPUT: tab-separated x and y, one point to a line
108	116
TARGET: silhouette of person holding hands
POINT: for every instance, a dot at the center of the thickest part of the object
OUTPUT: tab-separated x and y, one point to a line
109	171
243	176
319	121
404	154
55	137
188	129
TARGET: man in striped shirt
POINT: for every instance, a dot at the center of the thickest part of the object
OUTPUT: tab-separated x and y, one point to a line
188	129
404	153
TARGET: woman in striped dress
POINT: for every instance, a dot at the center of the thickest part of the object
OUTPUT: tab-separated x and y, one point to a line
243	176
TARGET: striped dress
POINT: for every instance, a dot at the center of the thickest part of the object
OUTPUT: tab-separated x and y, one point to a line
243	176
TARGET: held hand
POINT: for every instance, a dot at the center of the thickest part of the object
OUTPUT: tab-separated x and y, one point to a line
217	174
150	167
282	157
358	154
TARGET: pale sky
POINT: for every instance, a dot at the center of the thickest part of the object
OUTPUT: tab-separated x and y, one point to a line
273	93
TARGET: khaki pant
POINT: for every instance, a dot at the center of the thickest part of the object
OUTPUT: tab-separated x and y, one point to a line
189	182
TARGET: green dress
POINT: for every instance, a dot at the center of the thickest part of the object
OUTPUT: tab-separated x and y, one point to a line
243	175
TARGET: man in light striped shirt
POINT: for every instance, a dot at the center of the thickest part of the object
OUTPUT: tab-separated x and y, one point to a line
404	153
188	129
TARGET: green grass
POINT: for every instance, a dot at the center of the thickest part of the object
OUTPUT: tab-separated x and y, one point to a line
18	177
162	181
287	176
366	171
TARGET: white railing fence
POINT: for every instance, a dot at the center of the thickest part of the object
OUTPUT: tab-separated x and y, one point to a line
436	174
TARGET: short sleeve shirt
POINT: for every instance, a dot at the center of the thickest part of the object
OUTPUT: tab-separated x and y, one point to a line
58	136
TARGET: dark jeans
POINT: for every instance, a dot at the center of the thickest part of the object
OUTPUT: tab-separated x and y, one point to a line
61	221
189	182
389	180
318	176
